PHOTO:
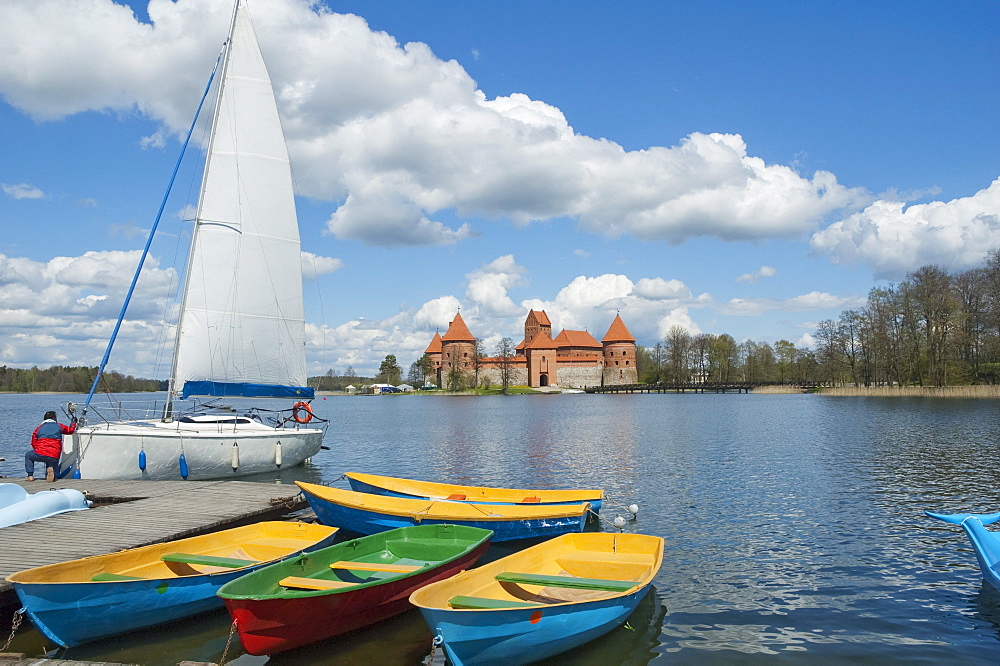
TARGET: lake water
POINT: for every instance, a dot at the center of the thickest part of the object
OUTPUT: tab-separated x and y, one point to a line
794	524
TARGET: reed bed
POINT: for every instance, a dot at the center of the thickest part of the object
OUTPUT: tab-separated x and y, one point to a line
980	391
778	390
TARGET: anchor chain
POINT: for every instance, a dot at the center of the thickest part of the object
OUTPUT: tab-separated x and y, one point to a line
232	630
434	645
18	616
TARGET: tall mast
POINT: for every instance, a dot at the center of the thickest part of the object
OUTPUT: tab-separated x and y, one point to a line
169	406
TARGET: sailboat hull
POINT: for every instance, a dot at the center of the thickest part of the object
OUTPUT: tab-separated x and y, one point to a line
210	451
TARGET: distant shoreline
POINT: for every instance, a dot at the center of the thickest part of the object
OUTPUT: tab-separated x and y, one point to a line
979	391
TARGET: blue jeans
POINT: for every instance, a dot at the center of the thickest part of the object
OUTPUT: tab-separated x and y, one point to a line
30	458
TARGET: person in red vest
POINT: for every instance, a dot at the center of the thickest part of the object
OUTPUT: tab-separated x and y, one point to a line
46	446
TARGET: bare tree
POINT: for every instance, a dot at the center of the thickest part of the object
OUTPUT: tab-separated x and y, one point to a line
505	352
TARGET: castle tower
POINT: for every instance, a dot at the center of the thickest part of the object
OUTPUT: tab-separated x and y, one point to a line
535	323
619	355
458	349
433	352
541	360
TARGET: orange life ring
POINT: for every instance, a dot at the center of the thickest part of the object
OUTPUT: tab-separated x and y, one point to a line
302	407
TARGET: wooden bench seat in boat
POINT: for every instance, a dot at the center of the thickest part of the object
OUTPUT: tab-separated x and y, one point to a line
567	581
107	577
482	603
313	583
374	566
208	560
455	496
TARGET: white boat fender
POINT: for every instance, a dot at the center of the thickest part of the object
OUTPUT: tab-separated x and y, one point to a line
183	463
277	454
634	510
236	456
619	522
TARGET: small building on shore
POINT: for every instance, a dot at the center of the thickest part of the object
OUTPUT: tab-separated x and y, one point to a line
571	359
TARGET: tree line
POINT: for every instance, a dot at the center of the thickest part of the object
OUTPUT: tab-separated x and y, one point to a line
64	379
934	328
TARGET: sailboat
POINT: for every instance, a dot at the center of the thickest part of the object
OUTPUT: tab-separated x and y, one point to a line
241	327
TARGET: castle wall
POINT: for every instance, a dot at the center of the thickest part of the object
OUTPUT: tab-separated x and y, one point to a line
620	375
518	376
579	376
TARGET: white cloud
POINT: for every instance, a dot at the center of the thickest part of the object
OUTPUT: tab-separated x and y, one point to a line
814	300
895	239
22	191
660	289
313	265
762	272
488	286
395	135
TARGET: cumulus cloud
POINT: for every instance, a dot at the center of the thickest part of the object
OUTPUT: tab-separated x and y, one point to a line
753	278
489	286
397	137
895	239
313	265
814	300
64	310
22	191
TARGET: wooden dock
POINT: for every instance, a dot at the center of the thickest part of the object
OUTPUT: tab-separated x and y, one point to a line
129	514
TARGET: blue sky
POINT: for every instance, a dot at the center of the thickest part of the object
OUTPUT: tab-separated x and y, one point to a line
741	168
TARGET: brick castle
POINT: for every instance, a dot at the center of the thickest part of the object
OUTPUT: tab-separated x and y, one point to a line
573	359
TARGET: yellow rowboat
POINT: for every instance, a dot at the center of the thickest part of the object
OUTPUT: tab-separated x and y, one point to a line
82	600
541	601
364	513
396	487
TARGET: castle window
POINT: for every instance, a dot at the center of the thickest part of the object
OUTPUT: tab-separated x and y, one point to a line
616	362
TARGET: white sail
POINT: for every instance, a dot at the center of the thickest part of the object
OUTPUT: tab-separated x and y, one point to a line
241	328
242	318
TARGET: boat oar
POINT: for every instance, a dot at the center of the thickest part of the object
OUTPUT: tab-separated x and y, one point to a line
959	518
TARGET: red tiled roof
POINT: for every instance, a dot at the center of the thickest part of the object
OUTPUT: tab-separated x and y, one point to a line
540	341
576	339
458	331
618	332
435	346
541	317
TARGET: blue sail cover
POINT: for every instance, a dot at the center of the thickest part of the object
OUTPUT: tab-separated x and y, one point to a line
245	390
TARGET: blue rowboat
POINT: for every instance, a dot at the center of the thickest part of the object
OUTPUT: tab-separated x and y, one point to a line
395	487
985	543
364	513
83	600
541	601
